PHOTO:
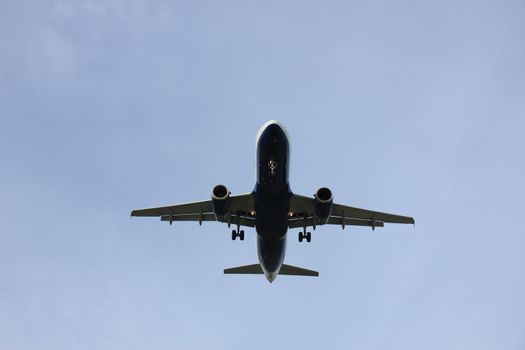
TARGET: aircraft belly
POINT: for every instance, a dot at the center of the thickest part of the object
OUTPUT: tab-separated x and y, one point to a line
271	252
272	198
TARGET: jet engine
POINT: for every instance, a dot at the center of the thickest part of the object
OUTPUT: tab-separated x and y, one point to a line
220	199
323	204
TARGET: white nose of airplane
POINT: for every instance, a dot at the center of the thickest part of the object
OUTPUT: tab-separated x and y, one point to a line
274	125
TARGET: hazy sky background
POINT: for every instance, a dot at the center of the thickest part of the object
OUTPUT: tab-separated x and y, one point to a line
414	108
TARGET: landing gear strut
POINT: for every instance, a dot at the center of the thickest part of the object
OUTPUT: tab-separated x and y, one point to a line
238	233
305	235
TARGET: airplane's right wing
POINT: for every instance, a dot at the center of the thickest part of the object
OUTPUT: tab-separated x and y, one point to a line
241	211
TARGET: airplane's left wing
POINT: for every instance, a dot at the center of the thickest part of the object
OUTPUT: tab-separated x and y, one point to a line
241	209
303	214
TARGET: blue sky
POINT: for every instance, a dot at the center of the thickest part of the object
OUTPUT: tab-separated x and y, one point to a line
414	108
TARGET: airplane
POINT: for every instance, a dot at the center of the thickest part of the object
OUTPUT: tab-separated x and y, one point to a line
272	208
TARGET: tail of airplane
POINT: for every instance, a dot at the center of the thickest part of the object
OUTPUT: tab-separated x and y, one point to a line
256	269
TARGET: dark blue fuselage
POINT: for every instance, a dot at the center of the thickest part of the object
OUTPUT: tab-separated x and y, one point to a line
272	197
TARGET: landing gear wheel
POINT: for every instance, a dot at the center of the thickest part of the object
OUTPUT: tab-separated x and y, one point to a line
241	235
234	235
305	235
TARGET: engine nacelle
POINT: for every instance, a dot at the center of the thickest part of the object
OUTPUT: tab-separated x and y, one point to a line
220	199
323	204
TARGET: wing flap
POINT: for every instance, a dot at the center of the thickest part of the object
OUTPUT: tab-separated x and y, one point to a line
189	217
243	220
334	220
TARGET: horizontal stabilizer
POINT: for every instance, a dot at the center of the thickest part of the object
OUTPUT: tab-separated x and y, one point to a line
297	271
256	269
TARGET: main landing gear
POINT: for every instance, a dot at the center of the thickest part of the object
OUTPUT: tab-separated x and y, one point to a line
307	236
304	234
238	233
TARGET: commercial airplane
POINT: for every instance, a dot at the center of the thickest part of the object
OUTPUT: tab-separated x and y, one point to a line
272	208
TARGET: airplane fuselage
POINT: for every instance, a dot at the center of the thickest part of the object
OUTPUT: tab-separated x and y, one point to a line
272	208
272	197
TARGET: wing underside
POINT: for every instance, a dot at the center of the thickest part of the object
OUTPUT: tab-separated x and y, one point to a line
241	212
302	214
